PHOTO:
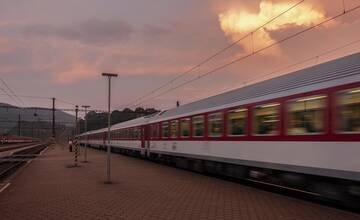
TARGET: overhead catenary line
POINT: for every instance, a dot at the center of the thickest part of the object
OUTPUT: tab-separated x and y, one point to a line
28	96
42	97
257	79
10	96
214	55
49	109
66	102
254	53
11	91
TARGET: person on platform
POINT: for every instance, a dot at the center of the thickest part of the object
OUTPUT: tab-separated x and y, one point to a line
70	145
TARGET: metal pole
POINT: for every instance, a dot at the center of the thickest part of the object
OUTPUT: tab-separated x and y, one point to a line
87	138
109	75
53	118
19	125
108	135
76	132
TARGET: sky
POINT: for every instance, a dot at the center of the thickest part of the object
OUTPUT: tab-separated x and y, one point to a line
59	49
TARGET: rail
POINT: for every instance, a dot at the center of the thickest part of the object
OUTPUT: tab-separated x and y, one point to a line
10	164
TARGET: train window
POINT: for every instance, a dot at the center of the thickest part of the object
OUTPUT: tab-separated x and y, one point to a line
237	122
132	133
348	104
306	115
216	124
266	118
165	129
198	126
137	133
154	131
174	129
185	127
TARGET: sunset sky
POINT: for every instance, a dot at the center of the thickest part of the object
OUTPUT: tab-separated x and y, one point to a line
59	48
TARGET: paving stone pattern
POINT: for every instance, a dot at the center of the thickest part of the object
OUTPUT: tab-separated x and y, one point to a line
48	189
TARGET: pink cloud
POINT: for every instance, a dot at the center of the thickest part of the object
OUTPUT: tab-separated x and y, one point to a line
76	73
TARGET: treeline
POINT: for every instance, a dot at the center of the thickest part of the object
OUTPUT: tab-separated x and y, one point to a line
100	120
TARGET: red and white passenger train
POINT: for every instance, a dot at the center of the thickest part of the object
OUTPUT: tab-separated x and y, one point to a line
299	131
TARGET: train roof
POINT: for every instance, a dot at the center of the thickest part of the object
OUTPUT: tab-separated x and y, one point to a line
130	123
295	82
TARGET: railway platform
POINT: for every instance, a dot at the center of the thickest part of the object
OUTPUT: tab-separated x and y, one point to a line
47	188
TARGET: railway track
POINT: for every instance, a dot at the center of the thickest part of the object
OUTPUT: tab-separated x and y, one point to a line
9	164
14	146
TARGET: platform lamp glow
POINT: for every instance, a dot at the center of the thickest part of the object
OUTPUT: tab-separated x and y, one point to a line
87	139
109	76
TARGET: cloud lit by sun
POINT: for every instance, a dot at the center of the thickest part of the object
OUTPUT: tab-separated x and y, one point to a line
236	23
76	73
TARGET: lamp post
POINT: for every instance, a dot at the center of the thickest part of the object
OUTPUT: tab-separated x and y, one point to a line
109	76
87	138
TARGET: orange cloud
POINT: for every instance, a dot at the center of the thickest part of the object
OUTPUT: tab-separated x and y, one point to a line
237	23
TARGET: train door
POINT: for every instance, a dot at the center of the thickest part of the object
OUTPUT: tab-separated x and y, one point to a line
145	142
142	137
104	138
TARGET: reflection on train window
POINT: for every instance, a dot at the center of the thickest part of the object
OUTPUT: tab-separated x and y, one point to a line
198	126
165	129
237	122
174	129
266	118
306	115
349	111
185	127
216	125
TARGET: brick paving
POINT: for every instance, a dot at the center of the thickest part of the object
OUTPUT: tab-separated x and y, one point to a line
47	189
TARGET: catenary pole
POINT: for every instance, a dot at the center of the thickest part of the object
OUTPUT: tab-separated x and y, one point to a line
53	118
86	137
108	170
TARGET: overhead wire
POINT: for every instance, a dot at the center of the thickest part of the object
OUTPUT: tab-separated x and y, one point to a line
27	96
10	96
257	79
216	54
11	91
255	52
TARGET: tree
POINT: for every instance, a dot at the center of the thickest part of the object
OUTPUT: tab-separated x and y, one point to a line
99	120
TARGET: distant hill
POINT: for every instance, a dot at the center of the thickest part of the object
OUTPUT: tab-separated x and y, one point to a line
37	122
9	117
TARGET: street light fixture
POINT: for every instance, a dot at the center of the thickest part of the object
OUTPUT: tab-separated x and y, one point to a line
86	136
109	76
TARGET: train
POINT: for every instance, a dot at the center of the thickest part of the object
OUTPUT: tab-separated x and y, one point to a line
13	139
299	131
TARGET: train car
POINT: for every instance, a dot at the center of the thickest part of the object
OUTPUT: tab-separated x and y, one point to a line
132	130
12	139
299	131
